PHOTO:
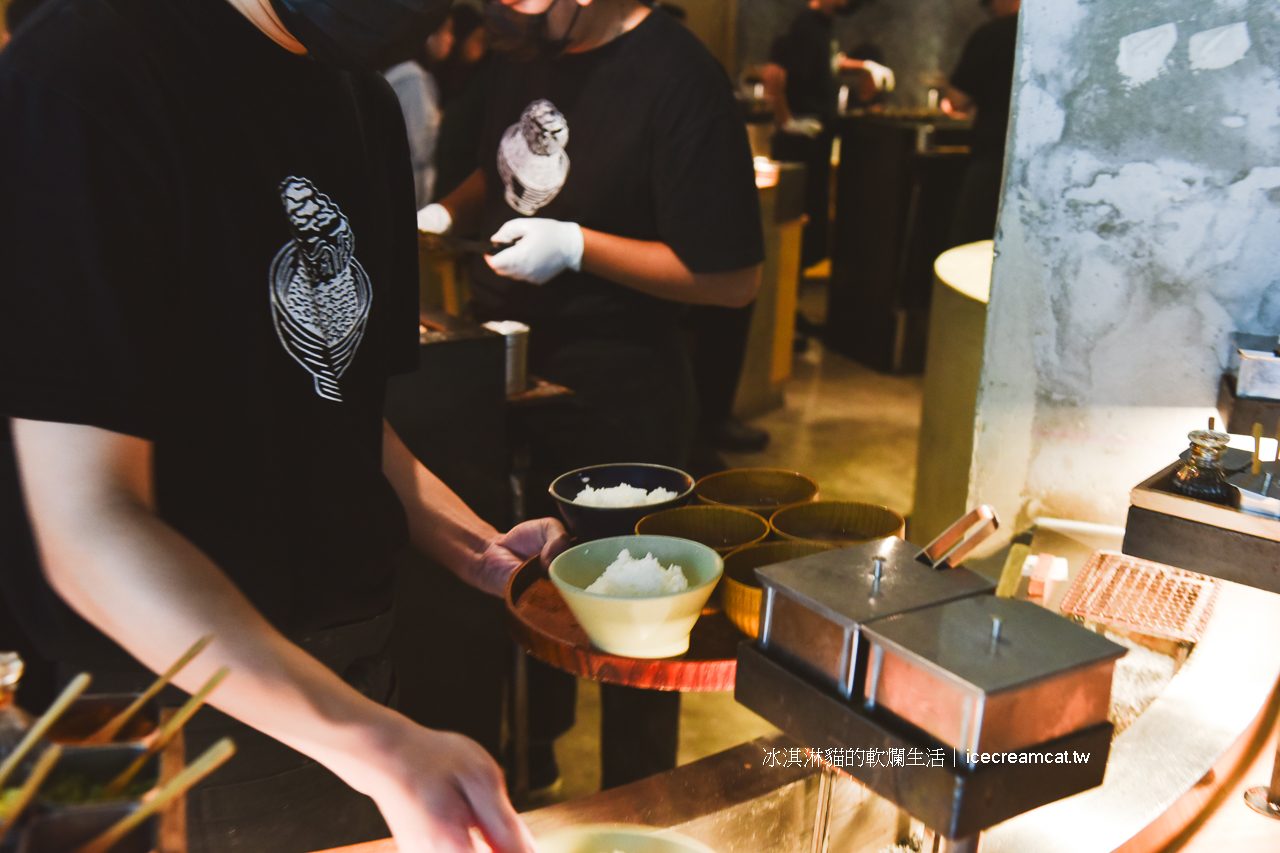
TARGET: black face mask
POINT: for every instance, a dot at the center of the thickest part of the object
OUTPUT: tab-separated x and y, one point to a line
361	34
525	38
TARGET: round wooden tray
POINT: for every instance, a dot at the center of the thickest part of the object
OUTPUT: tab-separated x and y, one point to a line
542	623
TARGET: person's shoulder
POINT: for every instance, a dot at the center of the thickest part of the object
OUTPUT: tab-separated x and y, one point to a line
997	31
669	52
64	37
83	52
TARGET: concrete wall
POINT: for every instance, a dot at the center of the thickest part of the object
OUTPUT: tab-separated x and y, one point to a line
920	38
1140	226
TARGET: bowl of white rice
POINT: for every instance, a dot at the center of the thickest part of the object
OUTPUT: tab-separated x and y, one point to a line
637	596
608	500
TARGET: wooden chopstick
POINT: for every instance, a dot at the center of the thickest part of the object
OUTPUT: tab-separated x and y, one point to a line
1257	450
47	719
113	726
166	734
28	791
212	758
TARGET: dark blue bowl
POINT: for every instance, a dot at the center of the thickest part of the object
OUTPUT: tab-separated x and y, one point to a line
595	522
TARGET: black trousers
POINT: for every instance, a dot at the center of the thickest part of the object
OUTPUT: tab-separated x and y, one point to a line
978	202
634	402
720	347
815	153
268	796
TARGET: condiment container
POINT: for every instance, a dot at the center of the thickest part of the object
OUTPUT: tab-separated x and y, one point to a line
64	830
1200	475
813	606
82	772
517	335
91	711
989	674
14	721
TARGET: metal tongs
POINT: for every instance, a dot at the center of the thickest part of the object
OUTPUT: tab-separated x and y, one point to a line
479	247
955	543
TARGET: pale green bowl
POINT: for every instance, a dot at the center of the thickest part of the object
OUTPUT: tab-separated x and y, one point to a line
653	627
607	838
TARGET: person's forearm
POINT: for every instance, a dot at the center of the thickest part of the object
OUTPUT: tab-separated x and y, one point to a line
444	528
956	102
466	203
775	91
153	592
653	268
440	524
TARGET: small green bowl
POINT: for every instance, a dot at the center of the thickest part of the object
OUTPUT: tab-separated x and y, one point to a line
760	490
840	523
619	838
652	627
722	528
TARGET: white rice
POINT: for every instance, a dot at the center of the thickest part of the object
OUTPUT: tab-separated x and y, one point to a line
623	495
627	576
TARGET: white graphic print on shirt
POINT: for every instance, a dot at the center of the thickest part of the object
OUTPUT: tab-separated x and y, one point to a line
531	157
319	292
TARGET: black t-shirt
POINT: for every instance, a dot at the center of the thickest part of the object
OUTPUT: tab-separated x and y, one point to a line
639	138
208	243
806	51
985	74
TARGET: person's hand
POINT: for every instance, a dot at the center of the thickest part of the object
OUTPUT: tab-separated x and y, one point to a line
809	127
881	74
433	788
543	249
434	219
545	537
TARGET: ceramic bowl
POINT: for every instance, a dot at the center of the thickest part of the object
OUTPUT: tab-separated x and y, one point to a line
619	838
92	711
760	490
82	772
651	627
589	522
66	829
721	528
740	591
840	523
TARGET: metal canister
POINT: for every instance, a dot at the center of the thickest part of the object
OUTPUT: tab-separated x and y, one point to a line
517	335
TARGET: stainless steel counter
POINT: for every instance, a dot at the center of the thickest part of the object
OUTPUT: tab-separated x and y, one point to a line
1162	769
735	803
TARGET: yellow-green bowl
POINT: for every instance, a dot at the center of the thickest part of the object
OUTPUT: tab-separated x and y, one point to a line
619	838
721	528
839	523
761	490
651	627
739	589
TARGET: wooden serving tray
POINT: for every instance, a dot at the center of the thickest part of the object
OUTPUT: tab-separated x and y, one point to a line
1156	494
1220	541
542	623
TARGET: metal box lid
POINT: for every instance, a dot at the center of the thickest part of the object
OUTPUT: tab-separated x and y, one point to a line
841	585
1032	643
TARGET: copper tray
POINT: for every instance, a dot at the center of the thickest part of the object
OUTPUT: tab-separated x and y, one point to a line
542	623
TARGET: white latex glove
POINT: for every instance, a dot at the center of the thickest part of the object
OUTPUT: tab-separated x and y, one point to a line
809	127
882	75
434	219
544	248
